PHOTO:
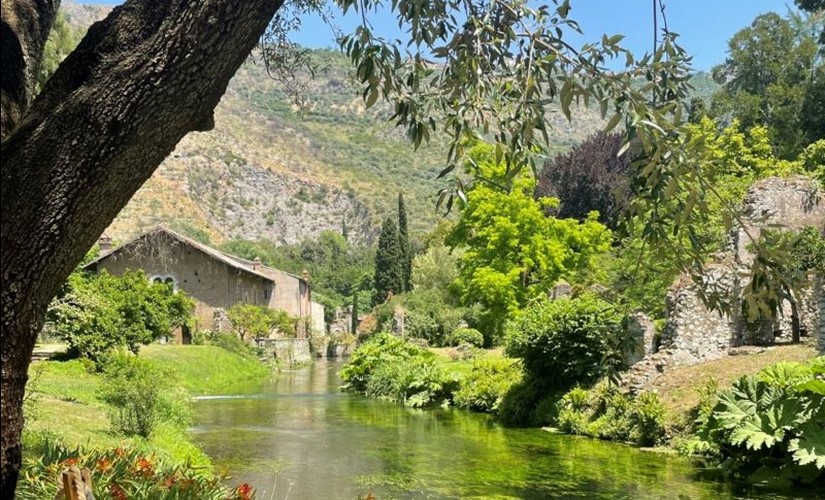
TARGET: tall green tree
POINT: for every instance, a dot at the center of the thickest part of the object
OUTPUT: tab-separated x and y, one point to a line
511	251
765	81
404	242
389	271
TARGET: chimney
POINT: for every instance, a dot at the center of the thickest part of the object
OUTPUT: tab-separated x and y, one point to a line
104	244
256	264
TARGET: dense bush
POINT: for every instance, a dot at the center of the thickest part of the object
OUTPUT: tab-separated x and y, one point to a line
389	367
95	313
563	342
123	473
768	428
465	335
603	412
251	321
487	383
141	395
427	315
519	404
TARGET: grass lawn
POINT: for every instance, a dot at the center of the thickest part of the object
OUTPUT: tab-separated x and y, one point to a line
678	387
462	367
206	369
63	401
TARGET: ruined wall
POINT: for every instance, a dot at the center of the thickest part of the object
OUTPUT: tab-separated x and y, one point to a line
317	319
288	352
643	332
693	332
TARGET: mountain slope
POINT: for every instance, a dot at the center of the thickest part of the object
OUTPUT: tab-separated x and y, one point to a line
270	170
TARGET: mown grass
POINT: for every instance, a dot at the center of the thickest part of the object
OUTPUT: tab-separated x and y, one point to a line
206	369
461	367
63	400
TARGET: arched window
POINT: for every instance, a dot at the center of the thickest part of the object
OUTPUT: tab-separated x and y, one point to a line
167	279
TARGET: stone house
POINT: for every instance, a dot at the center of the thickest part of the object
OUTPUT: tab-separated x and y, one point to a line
214	279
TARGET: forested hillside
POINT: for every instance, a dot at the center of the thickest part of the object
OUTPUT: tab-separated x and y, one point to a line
278	171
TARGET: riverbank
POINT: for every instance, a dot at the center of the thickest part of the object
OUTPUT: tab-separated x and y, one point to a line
64	402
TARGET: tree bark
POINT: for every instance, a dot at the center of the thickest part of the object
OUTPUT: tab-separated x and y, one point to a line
795	325
140	80
24	29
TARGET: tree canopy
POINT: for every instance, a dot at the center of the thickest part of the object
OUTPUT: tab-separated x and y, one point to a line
511	251
389	269
768	75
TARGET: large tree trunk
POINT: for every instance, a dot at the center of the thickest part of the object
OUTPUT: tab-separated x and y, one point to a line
141	79
24	30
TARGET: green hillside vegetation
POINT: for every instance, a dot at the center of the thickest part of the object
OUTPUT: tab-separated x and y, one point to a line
330	139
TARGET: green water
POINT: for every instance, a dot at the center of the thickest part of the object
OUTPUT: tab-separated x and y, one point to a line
300	437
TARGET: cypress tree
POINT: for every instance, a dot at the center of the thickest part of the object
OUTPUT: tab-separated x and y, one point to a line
404	242
389	272
354	319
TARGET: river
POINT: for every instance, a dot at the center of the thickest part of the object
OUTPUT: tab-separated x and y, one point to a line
297	436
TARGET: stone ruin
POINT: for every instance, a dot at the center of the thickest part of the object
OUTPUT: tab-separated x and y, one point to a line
693	332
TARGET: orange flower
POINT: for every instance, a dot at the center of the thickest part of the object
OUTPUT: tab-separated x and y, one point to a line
70	461
103	464
144	467
244	492
170	481
117	492
119	452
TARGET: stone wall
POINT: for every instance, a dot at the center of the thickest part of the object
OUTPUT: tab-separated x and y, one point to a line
820	289
696	333
693	331
289	352
643	332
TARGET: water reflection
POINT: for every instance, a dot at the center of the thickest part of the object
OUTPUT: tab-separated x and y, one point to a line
300	429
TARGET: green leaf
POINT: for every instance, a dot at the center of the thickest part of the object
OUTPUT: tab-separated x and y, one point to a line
809	447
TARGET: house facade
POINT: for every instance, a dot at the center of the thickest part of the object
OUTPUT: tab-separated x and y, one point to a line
214	279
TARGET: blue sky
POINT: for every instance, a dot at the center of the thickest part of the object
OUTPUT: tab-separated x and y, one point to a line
704	25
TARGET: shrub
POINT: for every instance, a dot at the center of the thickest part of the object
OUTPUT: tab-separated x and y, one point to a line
415	381
465	335
603	412
123	473
563	342
138	391
389	367
647	419
251	321
768	427
517	407
96	313
487	383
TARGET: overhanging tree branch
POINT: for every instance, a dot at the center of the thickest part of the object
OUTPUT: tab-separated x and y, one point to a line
140	80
